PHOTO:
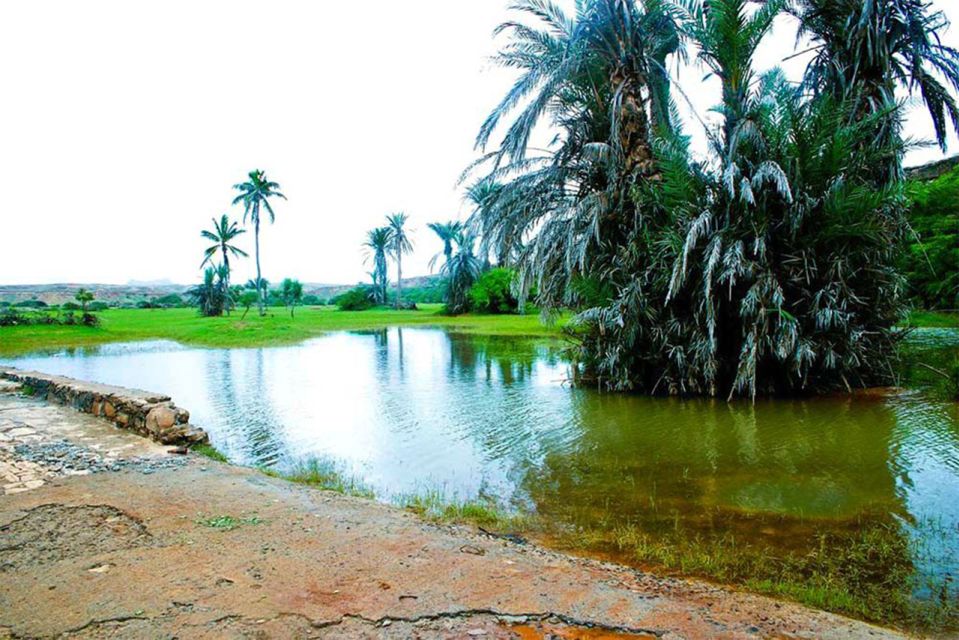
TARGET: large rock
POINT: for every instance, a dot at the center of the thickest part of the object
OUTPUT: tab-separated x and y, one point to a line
149	414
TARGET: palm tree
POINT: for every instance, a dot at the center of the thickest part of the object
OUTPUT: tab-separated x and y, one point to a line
223	233
254	194
447	233
400	245
866	50
377	245
461	270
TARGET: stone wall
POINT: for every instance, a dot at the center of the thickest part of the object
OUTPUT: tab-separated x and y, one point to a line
148	414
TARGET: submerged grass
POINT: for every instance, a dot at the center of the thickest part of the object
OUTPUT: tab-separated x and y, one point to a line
865	573
434	506
325	475
276	328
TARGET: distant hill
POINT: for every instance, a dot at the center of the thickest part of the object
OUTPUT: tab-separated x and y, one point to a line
135	291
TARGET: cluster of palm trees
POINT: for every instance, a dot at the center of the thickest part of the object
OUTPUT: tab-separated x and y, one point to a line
389	241
460	266
215	296
768	267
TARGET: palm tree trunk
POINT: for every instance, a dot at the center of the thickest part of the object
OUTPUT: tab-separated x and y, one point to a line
259	278
399	279
226	282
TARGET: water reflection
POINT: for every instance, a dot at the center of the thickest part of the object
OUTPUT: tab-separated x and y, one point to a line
411	409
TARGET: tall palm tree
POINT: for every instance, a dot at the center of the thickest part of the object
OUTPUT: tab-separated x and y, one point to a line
400	245
254	194
222	235
376	246
447	233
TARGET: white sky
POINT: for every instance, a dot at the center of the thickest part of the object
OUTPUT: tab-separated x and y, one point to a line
124	124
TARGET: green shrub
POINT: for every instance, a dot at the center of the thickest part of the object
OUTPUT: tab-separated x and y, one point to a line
31	304
70	306
931	263
493	292
97	306
356	299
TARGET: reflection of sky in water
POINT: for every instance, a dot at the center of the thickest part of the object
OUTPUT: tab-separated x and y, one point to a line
416	409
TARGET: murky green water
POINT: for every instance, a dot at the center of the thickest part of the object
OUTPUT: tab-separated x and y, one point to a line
409	410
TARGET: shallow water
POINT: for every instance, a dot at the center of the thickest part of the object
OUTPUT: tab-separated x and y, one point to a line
409	410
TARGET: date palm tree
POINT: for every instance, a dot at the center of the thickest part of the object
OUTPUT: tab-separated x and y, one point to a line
376	247
400	245
255	195
447	232
461	270
222	235
866	49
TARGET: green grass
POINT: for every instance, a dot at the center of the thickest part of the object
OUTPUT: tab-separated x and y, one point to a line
227	522
436	507
277	328
866	573
211	452
933	319
325	475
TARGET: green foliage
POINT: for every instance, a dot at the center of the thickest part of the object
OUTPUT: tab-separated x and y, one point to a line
97	306
931	262
399	245
326	475
378	244
209	451
311	300
493	292
228	522
292	294
212	296
255	194
768	269
461	269
32	304
70	306
358	298
246	300
84	297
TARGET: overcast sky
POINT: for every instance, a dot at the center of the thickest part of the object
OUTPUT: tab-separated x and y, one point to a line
124	124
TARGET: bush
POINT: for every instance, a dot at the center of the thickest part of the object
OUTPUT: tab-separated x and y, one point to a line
70	306
356	299
493	292
311	301
931	263
32	304
97	306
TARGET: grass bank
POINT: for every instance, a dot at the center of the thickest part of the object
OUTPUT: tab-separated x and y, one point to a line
276	328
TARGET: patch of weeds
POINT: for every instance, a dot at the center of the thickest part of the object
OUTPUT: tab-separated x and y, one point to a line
323	474
28	390
486	513
211	452
227	522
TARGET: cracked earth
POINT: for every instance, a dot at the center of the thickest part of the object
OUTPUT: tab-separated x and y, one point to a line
137	547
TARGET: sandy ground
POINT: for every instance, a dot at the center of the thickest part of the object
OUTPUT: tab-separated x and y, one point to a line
143	552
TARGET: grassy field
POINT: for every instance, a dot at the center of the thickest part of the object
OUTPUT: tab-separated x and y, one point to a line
277	328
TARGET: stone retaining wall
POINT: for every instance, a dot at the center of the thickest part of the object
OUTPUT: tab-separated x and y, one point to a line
148	414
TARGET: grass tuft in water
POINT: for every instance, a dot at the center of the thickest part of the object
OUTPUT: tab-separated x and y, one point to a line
323	474
433	505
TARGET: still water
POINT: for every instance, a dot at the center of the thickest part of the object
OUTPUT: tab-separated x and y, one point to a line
411	410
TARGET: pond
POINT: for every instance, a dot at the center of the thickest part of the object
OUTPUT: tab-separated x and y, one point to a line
414	410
